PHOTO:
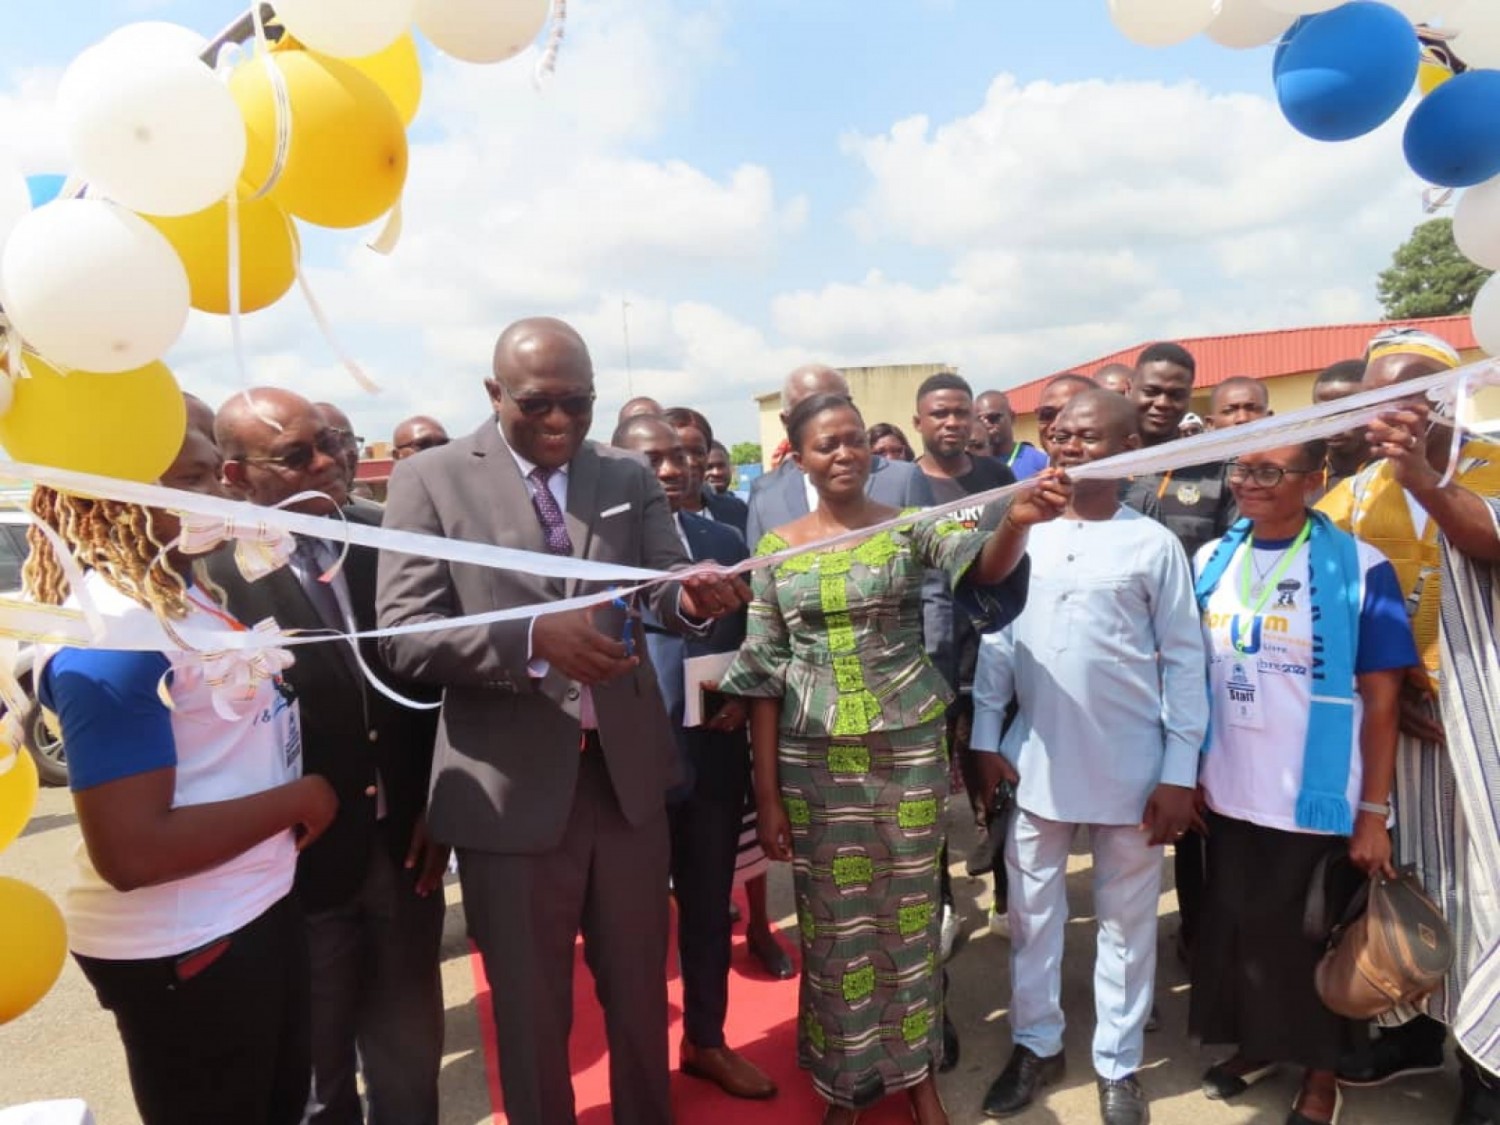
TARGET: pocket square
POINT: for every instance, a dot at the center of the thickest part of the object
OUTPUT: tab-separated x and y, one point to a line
615	511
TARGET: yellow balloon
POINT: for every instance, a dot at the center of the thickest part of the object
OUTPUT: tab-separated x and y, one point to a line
1431	75
18	788
33	947
128	425
345	164
269	250
397	70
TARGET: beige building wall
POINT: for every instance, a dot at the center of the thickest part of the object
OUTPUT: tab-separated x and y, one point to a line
883	394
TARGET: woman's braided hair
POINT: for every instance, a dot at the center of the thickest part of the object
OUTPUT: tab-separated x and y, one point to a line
108	536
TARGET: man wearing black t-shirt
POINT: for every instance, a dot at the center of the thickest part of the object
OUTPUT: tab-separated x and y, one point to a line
944	419
1195	504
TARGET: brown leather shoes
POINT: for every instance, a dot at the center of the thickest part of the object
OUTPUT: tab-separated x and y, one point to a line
730	1071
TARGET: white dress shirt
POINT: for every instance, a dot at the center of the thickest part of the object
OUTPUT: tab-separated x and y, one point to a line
1108	668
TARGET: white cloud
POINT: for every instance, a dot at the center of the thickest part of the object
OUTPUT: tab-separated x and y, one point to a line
1079	218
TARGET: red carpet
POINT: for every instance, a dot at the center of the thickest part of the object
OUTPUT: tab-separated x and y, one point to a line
762	1026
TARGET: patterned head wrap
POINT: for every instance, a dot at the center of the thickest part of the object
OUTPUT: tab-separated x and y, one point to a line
1413	341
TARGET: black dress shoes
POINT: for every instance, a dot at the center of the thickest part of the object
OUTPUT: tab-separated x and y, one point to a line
1479	1095
771	957
1123	1102
1025	1074
950	1046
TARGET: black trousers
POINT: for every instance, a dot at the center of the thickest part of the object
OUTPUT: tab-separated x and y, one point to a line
220	1034
705	841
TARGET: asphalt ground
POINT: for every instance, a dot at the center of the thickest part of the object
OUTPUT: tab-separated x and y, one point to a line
66	1046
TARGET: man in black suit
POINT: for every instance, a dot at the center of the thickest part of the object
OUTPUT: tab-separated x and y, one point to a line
372	885
705	809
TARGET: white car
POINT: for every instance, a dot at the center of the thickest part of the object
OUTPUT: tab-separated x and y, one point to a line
45	747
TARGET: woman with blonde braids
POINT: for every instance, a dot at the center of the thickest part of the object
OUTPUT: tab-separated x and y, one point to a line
180	912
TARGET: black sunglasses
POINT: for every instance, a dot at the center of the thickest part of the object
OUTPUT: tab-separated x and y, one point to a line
298	457
539	406
417	445
992	419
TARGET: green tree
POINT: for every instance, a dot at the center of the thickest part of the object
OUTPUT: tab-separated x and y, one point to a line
746	453
1429	276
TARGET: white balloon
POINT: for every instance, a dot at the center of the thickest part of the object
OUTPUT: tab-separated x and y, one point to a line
348	29
1478	26
93	286
157	38
482	31
1476	224
1303	7
1161	23
1426	11
160	134
15	201
1248	23
1485	317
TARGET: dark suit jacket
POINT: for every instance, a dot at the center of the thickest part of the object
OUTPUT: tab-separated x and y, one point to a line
727	508
349	729
705	754
506	762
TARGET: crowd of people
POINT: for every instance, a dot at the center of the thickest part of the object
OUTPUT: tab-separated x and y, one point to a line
1261	664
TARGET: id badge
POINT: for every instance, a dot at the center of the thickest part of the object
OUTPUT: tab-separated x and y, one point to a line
1242	698
288	720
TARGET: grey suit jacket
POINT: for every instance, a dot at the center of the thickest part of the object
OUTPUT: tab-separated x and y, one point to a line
506	761
779	497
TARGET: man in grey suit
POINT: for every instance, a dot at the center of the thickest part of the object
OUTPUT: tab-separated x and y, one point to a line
554	753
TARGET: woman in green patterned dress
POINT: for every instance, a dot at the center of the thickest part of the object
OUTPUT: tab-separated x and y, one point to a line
851	770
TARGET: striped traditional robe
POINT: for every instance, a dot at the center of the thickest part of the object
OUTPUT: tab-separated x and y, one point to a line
1441	795
1470	698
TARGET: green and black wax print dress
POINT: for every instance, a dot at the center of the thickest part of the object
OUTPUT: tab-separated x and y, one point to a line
837	636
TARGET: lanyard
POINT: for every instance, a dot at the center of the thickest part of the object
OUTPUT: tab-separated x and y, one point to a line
1166	479
1271	580
1015	451
214	611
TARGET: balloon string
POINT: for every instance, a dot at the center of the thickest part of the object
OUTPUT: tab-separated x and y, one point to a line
283	106
546	66
390	234
356	372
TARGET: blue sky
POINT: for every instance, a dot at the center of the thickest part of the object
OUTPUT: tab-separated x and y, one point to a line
769	182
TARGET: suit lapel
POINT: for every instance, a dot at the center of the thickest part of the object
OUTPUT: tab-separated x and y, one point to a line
583	503
512	512
795	492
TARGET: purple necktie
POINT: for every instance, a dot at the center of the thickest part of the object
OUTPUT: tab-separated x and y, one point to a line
553	525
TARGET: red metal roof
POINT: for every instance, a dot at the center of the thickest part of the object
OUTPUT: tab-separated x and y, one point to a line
1264	355
374	470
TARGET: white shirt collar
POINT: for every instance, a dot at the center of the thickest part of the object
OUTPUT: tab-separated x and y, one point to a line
522	463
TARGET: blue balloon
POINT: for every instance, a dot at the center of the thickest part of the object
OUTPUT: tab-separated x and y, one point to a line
1453	137
1285	41
1347	71
45	187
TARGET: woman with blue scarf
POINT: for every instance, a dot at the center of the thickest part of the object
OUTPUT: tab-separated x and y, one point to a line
1308	639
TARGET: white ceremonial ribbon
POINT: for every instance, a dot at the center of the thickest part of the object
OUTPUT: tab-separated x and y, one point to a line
234	676
259	548
1216	445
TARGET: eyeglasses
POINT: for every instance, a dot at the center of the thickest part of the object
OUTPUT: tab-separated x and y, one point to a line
539	406
992	419
298	457
350	439
417	445
1267	476
1048	413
